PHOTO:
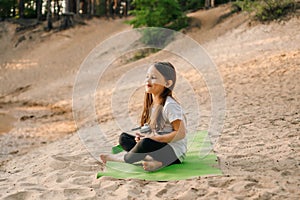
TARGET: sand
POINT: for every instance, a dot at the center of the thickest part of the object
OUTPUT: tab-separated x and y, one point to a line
42	156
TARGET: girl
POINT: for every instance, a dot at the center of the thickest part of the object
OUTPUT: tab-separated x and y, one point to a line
167	143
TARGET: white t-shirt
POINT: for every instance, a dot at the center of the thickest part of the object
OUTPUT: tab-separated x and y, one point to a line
171	112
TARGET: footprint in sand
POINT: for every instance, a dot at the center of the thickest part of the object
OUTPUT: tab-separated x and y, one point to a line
74	163
75	193
58	162
242	186
82	167
18	195
83	180
192	193
57	176
53	194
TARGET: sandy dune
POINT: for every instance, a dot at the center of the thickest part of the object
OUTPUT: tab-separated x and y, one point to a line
259	148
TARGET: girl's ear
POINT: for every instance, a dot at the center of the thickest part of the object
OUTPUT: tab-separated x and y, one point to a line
169	83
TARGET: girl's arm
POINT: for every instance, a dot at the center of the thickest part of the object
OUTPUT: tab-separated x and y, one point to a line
177	134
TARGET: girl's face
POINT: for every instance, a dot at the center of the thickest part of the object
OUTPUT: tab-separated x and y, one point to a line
154	82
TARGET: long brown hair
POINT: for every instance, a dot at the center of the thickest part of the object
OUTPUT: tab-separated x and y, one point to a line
156	119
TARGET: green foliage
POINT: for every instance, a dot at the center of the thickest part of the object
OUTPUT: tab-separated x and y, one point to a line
158	13
5	8
191	4
100	8
267	10
29	10
142	53
156	37
274	9
217	2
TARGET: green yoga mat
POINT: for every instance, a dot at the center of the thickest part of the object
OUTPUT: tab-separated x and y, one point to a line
193	165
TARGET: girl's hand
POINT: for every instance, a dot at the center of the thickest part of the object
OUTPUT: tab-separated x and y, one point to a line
138	137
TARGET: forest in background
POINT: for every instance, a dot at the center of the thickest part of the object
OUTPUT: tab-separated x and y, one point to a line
39	8
159	13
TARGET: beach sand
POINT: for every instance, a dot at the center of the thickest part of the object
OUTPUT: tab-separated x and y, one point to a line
42	156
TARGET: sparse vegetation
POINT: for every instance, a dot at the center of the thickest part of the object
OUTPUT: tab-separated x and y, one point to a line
140	54
158	13
267	10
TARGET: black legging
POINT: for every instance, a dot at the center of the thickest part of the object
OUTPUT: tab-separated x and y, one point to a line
137	151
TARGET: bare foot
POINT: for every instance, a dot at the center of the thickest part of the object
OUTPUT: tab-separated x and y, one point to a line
152	165
148	158
107	157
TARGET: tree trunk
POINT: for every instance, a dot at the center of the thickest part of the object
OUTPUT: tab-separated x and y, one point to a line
92	7
49	15
57	9
77	7
67	6
54	14
14	8
39	9
209	3
72	6
21	8
89	8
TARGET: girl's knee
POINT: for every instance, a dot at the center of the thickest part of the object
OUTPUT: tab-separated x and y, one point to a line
127	141
122	138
